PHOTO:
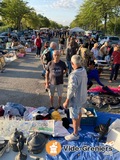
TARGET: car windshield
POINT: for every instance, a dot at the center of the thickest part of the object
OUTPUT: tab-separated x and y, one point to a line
105	37
4	34
114	38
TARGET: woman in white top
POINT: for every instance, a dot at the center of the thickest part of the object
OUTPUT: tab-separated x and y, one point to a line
103	51
95	51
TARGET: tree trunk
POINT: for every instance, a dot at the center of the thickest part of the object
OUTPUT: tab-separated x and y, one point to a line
19	24
115	25
105	24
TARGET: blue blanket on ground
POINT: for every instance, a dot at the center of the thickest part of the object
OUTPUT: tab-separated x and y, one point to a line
88	138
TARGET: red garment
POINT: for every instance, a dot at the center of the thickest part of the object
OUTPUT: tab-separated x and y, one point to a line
99	89
38	42
116	57
1	111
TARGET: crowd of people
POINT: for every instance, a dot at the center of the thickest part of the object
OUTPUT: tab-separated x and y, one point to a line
79	65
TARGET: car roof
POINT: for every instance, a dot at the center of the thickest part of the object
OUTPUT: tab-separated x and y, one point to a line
112	36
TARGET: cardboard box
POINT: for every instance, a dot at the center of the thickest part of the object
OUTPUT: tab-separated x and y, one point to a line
89	120
113	137
28	50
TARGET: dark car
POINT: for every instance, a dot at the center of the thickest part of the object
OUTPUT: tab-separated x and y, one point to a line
4	36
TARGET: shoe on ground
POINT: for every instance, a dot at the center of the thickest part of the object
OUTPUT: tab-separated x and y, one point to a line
110	81
3	69
72	137
61	107
71	125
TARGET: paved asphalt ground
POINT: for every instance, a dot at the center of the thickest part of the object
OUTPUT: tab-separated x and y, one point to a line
22	82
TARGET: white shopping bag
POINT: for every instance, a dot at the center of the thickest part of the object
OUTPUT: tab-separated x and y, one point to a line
113	137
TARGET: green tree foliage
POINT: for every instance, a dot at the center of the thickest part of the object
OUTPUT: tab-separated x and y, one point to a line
19	15
13	11
43	21
31	20
97	14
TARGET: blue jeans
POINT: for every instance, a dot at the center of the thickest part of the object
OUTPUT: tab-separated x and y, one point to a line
38	51
43	72
69	67
100	58
114	72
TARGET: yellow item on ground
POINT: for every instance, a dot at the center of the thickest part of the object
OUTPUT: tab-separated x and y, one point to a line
56	116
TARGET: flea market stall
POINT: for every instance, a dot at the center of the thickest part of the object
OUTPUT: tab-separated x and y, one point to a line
46	125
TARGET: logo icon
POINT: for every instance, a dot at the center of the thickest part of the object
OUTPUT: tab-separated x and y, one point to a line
53	148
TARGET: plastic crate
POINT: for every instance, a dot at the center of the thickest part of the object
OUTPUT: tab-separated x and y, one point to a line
3	149
89	120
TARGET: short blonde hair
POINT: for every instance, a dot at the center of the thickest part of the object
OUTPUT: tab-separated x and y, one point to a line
106	43
96	45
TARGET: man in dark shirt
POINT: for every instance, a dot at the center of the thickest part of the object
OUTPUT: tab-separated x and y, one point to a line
62	44
70	51
54	77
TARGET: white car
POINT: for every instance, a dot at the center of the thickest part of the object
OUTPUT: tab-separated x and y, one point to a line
110	39
88	33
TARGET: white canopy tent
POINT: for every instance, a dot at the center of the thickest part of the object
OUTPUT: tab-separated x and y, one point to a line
76	29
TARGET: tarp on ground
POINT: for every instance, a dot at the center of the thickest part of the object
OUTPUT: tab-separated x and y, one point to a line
87	138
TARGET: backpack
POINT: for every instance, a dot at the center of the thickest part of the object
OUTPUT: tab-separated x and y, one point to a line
46	57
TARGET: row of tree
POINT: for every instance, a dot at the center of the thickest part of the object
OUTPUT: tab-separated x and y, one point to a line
17	14
99	15
93	14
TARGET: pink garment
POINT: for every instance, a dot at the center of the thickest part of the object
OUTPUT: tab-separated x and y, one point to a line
20	55
99	89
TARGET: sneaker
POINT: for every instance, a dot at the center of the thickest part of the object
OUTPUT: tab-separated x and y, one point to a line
110	81
71	125
2	70
72	137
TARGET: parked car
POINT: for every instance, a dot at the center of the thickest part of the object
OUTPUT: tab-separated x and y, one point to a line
4	36
110	39
88	33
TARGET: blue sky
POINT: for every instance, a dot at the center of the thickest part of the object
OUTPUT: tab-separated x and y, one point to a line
61	11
